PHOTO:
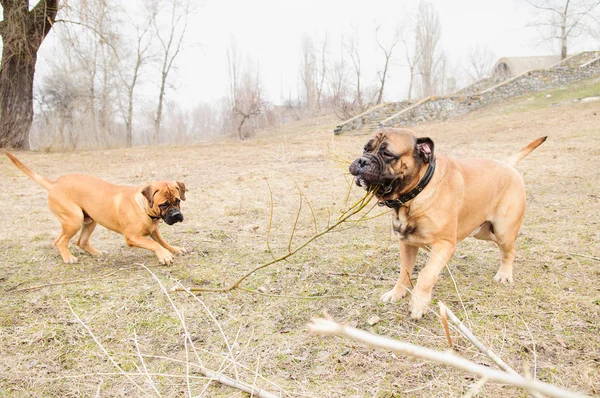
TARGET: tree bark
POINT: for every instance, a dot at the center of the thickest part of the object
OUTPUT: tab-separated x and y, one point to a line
22	34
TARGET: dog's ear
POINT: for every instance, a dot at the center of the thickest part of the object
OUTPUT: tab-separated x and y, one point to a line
181	187
148	193
425	149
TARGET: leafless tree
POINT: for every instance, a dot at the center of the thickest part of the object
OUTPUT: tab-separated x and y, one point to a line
245	87
411	57
428	32
131	63
564	19
338	88
313	71
308	71
479	62
352	48
88	41
321	71
22	31
170	26
387	53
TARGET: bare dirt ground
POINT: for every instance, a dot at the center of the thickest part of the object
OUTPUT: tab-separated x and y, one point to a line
548	321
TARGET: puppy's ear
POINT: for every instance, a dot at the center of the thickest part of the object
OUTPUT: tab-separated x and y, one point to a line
425	149
148	193
181	187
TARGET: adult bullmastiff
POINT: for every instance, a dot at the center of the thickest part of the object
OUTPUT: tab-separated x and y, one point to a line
82	201
438	201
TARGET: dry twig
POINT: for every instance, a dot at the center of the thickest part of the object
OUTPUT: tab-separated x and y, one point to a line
480	346
116	365
26	289
329	327
444	318
356	208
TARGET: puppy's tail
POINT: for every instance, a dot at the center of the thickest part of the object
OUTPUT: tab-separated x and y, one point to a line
43	181
516	158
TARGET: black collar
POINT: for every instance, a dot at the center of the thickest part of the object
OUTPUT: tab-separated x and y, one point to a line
402	200
154	218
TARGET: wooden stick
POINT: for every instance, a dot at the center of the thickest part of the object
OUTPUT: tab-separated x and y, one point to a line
481	347
25	289
290	297
471	337
356	208
115	364
584	255
444	315
329	327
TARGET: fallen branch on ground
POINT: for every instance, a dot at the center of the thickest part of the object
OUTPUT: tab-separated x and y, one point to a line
209	375
26	289
480	346
356	208
449	358
584	256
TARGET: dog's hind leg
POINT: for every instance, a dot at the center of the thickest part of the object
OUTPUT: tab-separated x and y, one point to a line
505	273
71	218
506	230
84	237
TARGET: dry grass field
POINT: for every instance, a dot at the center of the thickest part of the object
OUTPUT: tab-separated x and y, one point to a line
548	321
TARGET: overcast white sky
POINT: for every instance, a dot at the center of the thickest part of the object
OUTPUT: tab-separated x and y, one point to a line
270	32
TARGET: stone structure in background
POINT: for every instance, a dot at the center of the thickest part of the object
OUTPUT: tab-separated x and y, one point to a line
494	89
508	67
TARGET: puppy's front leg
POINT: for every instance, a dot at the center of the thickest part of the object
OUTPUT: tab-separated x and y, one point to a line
164	256
439	255
158	238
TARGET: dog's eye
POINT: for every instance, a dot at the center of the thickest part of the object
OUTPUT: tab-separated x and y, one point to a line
388	155
164	205
366	148
176	202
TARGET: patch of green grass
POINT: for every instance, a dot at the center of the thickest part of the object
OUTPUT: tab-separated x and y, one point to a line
555	97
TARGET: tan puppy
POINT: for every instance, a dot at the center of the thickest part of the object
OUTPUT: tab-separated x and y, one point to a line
82	201
438	201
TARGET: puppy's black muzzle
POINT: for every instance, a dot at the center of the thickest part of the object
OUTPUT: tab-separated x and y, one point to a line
173	216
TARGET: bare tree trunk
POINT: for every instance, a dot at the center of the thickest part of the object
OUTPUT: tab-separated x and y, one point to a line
563	32
353	51
22	34
560	20
241	135
427	39
171	47
323	71
387	52
410	86
159	109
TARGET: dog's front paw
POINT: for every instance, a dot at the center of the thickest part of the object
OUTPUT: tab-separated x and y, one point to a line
394	295
165	257
178	250
70	260
418	306
503	277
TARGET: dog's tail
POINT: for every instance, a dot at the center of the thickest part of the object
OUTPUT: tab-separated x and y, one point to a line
43	181
516	158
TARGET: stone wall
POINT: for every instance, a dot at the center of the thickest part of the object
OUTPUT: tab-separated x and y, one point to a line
374	114
580	66
442	108
577	60
479	86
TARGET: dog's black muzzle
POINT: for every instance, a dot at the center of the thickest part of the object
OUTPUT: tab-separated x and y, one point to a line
368	171
173	216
